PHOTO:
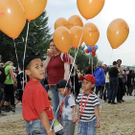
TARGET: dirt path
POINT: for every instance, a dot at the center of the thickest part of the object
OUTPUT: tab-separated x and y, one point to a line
115	120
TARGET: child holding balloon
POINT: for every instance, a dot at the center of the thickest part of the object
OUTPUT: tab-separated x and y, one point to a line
37	110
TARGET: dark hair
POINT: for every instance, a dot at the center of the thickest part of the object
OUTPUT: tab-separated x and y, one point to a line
119	60
29	58
114	62
107	70
51	40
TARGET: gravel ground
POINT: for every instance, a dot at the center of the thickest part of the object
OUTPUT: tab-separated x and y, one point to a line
115	119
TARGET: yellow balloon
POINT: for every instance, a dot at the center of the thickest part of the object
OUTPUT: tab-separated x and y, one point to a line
76	36
75	20
90	34
117	32
61	22
90	8
12	17
34	8
62	39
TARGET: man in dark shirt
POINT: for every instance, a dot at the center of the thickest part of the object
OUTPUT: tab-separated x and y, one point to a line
113	73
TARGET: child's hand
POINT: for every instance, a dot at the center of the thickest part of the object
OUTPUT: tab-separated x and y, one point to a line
97	124
51	133
74	118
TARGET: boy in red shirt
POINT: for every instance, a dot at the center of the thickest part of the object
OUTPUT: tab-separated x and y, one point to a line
37	110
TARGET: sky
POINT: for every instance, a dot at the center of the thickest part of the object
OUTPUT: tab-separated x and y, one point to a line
112	9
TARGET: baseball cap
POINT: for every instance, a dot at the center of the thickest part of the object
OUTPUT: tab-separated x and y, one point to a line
62	84
29	58
89	78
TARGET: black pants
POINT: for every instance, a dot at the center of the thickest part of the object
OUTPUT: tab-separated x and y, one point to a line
9	93
120	90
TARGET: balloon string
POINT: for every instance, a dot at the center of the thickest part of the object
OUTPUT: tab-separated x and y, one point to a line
16	54
92	64
25	47
111	57
69	74
76	55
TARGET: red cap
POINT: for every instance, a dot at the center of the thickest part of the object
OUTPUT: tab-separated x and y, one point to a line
89	78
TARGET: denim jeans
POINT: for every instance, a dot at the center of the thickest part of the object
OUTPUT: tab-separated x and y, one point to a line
56	99
68	127
99	89
35	128
87	128
113	88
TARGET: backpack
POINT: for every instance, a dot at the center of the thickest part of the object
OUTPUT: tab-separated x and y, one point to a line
2	75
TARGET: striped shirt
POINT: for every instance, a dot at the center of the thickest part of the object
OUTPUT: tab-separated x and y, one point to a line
88	112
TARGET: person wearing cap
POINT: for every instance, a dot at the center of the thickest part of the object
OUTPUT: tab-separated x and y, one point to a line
67	109
36	106
89	117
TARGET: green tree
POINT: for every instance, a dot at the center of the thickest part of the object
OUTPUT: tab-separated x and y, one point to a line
82	59
38	40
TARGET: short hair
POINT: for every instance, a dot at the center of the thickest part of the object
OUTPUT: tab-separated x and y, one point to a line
114	62
119	60
29	58
51	40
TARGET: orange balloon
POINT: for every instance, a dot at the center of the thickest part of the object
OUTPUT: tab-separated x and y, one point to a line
75	20
90	34
34	8
62	39
12	17
117	32
90	8
61	22
76	35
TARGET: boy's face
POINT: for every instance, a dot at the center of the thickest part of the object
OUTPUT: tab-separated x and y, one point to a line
35	69
62	91
86	85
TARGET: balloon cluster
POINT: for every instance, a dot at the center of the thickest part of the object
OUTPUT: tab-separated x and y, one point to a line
117	31
68	33
71	32
91	50
13	14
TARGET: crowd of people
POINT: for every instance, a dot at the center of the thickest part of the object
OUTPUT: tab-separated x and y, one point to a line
74	94
114	82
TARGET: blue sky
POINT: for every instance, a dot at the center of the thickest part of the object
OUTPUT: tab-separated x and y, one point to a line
112	9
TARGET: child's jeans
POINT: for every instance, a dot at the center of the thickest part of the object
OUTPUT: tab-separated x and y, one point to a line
87	128
35	128
68	127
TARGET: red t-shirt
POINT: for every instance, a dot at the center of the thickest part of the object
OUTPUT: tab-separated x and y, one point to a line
55	68
35	101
